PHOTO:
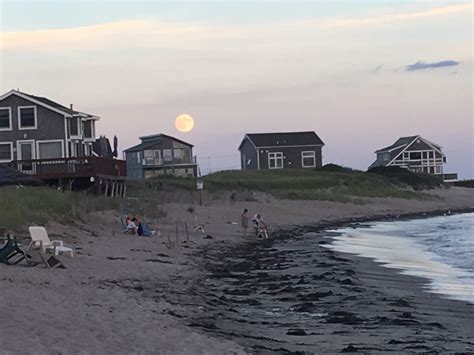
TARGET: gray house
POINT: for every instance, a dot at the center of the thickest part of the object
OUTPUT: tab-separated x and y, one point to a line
159	155
414	153
33	127
297	150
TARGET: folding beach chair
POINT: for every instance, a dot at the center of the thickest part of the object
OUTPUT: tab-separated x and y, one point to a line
11	253
40	242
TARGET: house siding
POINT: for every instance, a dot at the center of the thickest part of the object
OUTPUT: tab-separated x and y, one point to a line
291	156
134	164
248	154
50	124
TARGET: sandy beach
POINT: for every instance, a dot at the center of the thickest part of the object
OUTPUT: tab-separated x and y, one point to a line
126	294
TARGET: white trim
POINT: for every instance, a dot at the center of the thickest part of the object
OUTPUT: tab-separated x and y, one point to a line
389	150
314	159
433	145
66	140
401	152
291	146
10	117
282	157
50	141
20	128
26	97
18	151
11	152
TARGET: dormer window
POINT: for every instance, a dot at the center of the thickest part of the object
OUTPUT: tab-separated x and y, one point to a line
27	117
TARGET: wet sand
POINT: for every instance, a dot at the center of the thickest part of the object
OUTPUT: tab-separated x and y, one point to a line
225	295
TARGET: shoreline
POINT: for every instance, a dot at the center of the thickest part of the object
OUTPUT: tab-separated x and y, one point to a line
122	294
432	316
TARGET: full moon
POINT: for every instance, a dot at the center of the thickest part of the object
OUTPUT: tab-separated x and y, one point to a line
184	123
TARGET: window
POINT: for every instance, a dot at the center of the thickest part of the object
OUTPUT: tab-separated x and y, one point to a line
74	127
50	150
275	160
88	131
415	156
308	159
167	155
27	117
6	151
152	157
178	154
437	170
5	119
406	155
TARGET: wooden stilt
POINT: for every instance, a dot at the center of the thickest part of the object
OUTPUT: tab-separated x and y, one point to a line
187	231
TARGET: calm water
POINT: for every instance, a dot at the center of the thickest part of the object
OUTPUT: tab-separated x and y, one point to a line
439	248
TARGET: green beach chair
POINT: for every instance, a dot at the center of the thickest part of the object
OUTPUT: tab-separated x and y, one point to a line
11	253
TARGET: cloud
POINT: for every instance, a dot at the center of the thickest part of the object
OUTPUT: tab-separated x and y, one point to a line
151	33
434	65
386	19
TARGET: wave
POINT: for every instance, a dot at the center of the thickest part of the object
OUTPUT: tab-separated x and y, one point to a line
439	249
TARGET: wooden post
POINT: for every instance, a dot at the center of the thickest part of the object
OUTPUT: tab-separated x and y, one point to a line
187	231
177	235
106	187
124	189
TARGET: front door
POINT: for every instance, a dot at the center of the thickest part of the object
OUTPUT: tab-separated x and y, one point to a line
26	151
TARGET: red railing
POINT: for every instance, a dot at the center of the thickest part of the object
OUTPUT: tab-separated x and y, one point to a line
71	167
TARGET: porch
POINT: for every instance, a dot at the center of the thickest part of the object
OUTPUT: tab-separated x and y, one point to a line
106	175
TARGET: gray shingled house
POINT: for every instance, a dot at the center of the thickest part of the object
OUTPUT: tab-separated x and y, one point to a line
414	153
286	150
49	141
159	155
34	127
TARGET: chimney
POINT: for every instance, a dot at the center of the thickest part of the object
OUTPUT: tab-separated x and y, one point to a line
71	107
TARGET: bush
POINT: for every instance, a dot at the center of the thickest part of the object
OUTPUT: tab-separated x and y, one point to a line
404	176
26	205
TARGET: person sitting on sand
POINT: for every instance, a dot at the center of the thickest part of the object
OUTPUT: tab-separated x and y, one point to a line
260	227
132	225
142	229
245	222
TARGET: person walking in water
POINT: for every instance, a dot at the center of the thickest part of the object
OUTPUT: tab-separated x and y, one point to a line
245	219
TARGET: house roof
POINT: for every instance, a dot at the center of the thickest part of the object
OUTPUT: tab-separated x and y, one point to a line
399	143
151	140
102	147
53	105
282	139
10	176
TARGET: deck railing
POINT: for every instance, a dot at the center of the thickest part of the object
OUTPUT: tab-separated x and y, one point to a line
71	167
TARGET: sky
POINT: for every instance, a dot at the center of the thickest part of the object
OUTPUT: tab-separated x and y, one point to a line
359	73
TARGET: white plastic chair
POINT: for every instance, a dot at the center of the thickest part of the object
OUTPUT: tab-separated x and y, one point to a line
40	239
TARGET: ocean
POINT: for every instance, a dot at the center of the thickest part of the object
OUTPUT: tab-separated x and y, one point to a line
440	249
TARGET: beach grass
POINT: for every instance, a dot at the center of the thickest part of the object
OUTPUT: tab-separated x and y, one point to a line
341	185
21	206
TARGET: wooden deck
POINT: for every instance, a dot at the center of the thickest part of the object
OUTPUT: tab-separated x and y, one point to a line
108	175
70	168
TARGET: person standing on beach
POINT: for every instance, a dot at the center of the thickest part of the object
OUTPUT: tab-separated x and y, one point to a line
232	198
245	222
